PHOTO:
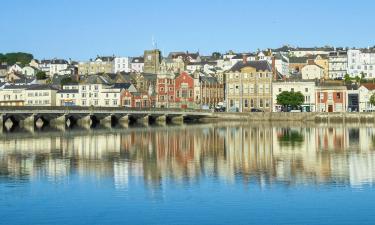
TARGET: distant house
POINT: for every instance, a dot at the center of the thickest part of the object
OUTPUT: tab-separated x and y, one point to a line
29	71
365	93
40	95
312	71
16	68
137	64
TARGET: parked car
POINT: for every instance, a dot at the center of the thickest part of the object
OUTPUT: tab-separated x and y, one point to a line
256	110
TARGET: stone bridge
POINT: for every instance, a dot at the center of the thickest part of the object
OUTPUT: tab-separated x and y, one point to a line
89	116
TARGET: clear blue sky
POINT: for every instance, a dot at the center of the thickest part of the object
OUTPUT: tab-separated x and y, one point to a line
82	29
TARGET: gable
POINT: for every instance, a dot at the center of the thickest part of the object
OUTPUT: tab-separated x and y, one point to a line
248	69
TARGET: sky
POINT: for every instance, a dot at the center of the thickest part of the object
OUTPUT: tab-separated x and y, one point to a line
82	30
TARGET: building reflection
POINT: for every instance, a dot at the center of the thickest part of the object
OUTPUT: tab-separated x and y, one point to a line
262	154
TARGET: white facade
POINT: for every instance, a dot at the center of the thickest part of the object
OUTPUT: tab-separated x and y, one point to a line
361	62
59	67
310	72
40	96
13	95
29	71
67	97
282	65
365	94
15	69
337	65
137	65
122	64
306	88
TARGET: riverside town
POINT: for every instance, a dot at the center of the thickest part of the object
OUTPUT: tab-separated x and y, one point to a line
286	79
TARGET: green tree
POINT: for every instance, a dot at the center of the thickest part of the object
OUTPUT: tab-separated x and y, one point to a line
41	75
16	57
372	99
357	79
347	79
67	80
292	99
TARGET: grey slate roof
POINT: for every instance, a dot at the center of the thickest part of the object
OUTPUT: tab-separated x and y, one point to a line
68	91
261	65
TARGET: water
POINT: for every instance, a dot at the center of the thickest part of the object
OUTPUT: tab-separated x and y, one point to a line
195	174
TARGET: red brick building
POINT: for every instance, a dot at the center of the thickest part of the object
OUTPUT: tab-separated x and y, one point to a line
331	99
165	89
184	87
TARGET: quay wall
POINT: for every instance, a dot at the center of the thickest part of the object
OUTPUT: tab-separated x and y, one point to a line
316	117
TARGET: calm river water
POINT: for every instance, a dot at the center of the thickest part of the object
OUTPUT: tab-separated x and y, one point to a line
190	174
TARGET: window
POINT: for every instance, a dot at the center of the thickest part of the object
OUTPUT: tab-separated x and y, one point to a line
261	103
338	95
252	103
292	89
246	103
106	102
114	102
279	89
306	90
83	102
231	103
83	95
83	88
96	102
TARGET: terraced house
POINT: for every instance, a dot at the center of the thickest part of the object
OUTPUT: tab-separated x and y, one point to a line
249	86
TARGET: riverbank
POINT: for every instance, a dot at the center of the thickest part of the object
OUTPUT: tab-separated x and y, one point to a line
316	117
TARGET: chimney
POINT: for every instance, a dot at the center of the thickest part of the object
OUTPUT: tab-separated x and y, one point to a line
274	68
244	58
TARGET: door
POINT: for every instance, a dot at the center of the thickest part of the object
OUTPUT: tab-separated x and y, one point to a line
330	108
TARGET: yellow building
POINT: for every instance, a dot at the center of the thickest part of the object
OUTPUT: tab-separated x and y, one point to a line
249	86
322	61
100	65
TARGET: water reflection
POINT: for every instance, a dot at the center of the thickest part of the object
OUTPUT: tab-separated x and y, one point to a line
263	154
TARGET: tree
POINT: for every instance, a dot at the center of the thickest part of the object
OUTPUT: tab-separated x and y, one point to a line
292	99
372	99
357	79
41	75
17	57
67	80
216	55
347	78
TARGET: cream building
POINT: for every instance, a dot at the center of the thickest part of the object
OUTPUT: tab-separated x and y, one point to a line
13	95
249	86
40	95
100	65
306	88
312	71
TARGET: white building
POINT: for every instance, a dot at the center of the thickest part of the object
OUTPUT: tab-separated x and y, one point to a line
122	64
29	71
281	64
15	69
337	64
67	97
40	95
361	62
307	88
312	71
58	66
13	95
365	93
137	65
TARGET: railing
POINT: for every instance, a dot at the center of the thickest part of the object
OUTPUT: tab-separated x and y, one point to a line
114	109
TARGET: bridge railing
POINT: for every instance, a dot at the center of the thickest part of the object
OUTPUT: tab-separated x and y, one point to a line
114	109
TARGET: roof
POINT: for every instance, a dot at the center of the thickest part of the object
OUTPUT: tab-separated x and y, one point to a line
59	61
12	86
369	86
298	60
122	85
261	65
138	60
42	87
97	79
105	58
68	91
